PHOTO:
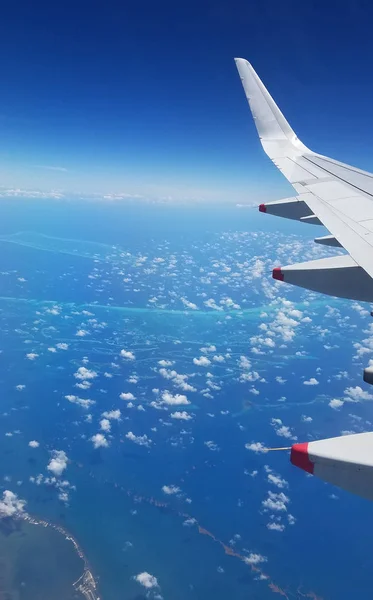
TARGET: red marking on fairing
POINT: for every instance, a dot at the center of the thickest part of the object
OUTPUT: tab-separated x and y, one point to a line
299	457
262	208
278	274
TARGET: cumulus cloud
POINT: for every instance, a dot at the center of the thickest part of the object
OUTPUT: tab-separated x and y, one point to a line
276	502
257	447
58	462
170	489
34	444
273	526
62	346
336	403
83	373
141	440
174	399
126	396
181	415
165	363
84	403
356	394
105	425
32	355
99	441
127	354
112	414
202	361
282	430
146	580
311	381
11	505
254	559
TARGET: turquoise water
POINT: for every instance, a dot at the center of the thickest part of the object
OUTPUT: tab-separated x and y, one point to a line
139	281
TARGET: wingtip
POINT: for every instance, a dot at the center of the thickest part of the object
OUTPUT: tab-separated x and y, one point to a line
278	274
299	457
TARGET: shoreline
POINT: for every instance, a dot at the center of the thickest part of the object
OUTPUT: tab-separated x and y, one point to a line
86	584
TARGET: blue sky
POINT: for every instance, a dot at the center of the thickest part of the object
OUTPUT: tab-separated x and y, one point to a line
144	99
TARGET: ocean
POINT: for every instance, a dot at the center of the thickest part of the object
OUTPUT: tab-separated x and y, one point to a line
174	309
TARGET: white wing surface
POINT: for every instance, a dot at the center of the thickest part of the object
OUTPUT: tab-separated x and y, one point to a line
340	197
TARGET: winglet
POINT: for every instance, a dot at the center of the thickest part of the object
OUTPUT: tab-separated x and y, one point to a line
274	131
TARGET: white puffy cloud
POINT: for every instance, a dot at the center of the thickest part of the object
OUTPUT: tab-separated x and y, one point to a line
273	526
356	394
257	447
112	414
177	379
165	363
189	304
276	502
84	403
203	361
170	489
141	440
32	355
105	425
174	399
58	462
82	333
311	381
127	354
277	480
336	403
20	387
62	346
182	415
282	430
126	396
84	373
34	444
146	580
99	441
11	505
254	559
211	445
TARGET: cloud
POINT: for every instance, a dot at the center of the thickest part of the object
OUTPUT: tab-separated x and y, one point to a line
355	394
51	168
257	447
32	355
11	505
105	425
182	415
254	559
62	346
146	580
84	403
170	489
188	304
127	354
273	526
141	440
112	414
276	502
58	462
311	381
165	363
99	441
336	403
174	399
84	373
282	430
203	361
211	445
34	444
127	396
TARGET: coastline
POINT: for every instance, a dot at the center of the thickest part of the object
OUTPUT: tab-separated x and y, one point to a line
86	584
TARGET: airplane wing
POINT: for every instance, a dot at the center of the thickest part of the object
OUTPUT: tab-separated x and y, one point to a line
340	197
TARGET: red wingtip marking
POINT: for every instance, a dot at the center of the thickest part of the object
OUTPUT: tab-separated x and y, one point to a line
262	208
299	457
278	274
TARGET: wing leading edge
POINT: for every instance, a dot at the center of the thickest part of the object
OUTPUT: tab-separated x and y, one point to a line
340	197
